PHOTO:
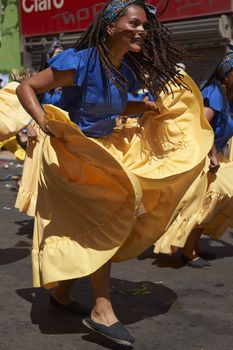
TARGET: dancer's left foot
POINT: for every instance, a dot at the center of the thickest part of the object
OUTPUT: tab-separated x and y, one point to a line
116	332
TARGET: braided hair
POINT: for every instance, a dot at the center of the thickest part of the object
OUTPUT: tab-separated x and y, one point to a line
157	60
217	78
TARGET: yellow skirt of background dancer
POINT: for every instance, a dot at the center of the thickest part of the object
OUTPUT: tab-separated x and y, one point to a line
111	198
217	212
207	205
12	146
13	117
229	150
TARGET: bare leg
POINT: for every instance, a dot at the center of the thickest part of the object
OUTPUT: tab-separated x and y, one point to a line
197	248
102	311
61	293
192	244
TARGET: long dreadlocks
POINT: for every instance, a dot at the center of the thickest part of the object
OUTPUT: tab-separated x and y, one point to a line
157	60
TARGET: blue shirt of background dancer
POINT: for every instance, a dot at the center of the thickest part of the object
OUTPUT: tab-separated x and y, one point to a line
222	124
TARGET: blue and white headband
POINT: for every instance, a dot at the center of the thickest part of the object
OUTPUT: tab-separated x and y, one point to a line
225	66
116	6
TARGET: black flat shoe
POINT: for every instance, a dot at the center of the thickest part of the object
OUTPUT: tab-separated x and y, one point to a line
116	332
199	263
73	307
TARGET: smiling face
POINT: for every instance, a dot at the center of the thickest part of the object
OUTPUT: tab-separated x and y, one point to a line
129	31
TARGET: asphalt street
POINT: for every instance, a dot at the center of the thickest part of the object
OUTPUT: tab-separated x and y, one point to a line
164	304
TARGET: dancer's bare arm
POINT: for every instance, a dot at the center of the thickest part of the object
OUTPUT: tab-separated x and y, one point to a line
41	82
209	113
213	154
139	107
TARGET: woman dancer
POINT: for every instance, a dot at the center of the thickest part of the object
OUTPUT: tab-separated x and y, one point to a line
209	212
217	216
105	200
218	107
218	102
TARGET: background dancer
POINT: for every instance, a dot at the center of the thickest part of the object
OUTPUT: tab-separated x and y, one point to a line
218	207
210	209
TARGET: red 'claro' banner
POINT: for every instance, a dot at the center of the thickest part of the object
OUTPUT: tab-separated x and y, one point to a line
40	17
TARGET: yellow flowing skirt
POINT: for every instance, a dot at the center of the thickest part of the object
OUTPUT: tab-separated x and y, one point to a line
217	212
28	190
229	151
208	205
111	198
13	117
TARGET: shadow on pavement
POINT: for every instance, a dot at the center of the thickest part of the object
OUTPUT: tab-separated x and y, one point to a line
11	255
26	228
133	302
163	260
223	248
21	249
173	261
147	254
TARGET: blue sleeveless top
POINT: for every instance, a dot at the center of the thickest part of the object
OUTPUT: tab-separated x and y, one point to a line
94	102
222	123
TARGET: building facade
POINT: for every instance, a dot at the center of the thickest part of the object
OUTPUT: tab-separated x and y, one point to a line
10	53
202	26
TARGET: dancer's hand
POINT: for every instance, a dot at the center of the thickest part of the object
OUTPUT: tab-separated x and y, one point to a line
44	126
31	134
214	162
151	106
